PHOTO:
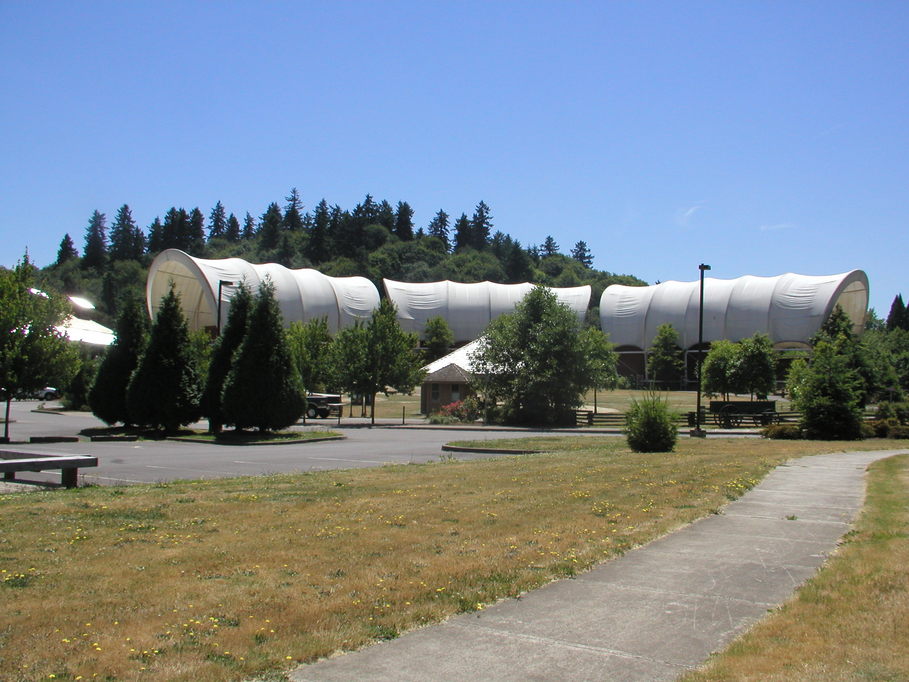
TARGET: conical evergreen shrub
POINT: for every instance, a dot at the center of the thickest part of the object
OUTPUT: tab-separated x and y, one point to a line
164	391
107	396
223	355
263	388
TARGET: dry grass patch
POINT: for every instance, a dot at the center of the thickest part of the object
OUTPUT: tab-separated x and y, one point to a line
233	578
850	622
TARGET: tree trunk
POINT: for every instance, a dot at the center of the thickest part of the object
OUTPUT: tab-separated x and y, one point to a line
6	423
372	408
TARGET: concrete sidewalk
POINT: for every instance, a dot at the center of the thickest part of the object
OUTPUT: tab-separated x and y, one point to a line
652	614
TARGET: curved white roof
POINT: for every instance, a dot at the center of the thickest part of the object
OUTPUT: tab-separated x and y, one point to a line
302	294
789	308
468	308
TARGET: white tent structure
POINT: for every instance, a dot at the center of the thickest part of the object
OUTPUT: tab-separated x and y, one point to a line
468	308
86	331
788	308
302	295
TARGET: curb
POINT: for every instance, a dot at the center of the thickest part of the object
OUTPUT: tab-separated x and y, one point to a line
501	451
301	441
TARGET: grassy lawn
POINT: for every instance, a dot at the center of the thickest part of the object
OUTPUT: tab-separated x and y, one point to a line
244	577
851	621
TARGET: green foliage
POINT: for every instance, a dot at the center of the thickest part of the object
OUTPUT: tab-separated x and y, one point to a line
828	395
263	389
350	369
782	432
535	361
719	373
650	425
756	366
164	391
76	394
310	348
666	360
33	354
94	254
898	318
603	360
438	338
232	334
391	356
107	397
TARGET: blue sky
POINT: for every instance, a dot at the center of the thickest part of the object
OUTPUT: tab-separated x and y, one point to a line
758	137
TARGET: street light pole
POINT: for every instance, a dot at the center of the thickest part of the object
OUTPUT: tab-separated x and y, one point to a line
221	283
698	431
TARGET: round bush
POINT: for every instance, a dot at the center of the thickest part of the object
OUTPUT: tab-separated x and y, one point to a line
782	432
649	425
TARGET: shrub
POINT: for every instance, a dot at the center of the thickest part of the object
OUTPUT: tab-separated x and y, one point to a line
881	427
650	426
899	432
467	410
867	430
782	432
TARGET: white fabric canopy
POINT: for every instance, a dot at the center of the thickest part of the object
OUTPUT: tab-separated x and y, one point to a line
302	295
86	331
468	308
788	308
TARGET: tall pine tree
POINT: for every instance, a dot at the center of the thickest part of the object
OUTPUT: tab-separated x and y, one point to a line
94	255
481	226
438	228
404	222
217	221
67	250
899	316
232	231
271	226
124	236
293	211
318	244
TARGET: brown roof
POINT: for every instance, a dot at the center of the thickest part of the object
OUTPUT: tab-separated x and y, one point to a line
451	374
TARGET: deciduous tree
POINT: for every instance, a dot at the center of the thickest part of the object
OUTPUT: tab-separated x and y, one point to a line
665	361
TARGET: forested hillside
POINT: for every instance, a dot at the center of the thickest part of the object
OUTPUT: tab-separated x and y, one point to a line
375	239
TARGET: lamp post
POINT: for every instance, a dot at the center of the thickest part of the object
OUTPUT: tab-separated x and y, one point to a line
698	432
221	283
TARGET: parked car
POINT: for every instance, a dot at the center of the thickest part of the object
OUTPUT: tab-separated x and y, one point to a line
46	393
322	404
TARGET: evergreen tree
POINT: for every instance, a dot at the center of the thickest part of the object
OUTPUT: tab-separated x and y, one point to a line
270	227
899	316
318	244
124	244
438	228
217	222
195	238
67	250
164	391
156	237
403	226
386	216
293	211
665	361
232	231
550	247
481	226
94	254
839	330
249	227
175	230
437	337
582	254
232	335
518	266
262	389
107	396
828	394
463	233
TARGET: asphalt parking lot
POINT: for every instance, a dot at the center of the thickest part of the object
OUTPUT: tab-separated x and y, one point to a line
161	461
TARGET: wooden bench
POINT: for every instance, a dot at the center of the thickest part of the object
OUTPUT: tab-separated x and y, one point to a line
12	462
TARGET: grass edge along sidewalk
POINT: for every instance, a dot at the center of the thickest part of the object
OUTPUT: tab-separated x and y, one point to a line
240	578
848	621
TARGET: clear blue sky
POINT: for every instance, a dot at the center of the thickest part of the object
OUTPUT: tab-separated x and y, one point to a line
758	137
